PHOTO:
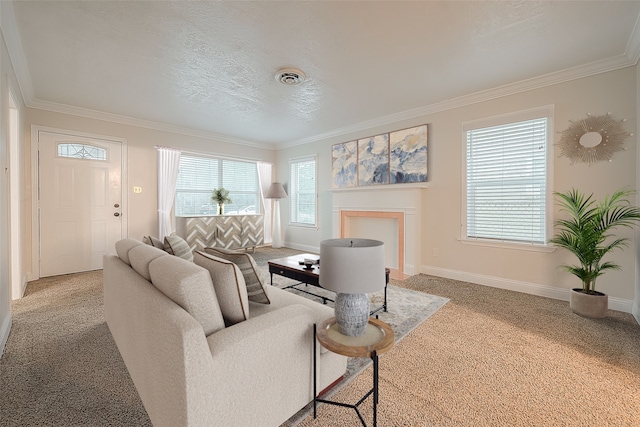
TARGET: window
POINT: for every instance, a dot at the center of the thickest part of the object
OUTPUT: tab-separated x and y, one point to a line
303	191
199	175
82	151
506	178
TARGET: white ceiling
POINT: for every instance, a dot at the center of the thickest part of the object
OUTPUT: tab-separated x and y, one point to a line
208	67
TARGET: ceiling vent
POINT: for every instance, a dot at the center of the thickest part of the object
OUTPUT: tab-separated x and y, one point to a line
290	76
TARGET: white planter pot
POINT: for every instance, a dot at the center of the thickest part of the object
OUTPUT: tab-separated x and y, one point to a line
588	305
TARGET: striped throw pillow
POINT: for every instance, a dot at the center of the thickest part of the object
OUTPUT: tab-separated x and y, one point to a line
229	285
256	287
176	245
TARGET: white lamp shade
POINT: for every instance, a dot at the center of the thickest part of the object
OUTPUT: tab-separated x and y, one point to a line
276	191
352	266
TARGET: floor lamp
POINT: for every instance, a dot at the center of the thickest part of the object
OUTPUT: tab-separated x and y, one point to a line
276	192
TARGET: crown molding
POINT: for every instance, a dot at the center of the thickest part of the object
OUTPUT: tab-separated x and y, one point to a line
594	68
14	47
633	46
16	53
147	124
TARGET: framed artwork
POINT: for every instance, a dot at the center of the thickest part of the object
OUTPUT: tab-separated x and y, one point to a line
373	160
344	164
408	155
399	157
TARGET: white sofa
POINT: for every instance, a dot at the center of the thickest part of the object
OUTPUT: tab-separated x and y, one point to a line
190	365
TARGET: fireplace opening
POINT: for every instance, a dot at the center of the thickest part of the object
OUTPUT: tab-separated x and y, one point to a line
387	227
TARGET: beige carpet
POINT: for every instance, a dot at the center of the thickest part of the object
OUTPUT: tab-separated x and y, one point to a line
60	366
497	358
487	358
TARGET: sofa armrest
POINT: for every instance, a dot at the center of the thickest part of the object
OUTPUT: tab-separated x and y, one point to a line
267	362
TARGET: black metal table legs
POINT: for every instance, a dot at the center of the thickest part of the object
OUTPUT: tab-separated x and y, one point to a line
374	390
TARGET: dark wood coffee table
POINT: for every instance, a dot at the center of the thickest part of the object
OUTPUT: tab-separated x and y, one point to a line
292	267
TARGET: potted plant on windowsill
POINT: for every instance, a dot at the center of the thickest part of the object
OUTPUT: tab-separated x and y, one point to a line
587	233
221	196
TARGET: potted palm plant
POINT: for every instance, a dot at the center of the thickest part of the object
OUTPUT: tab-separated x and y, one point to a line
221	196
587	233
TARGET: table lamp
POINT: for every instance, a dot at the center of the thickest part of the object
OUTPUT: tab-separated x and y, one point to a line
276	192
352	268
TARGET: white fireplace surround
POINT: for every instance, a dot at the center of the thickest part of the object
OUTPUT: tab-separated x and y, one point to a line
395	210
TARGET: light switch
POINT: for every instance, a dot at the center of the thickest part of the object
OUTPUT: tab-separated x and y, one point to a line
137	190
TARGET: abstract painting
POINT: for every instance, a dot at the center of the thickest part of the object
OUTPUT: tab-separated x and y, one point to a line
344	164
408	155
373	160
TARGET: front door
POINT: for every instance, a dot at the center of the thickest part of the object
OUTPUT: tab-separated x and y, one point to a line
80	198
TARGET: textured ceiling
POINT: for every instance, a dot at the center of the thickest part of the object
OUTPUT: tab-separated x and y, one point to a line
209	66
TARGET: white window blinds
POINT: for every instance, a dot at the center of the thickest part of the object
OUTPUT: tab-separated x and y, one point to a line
199	175
506	182
303	191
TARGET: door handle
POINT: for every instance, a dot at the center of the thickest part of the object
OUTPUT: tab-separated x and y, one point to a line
116	214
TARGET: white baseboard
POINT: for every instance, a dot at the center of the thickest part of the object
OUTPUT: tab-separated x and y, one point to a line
618	304
409	269
305	248
23	288
5	328
23	285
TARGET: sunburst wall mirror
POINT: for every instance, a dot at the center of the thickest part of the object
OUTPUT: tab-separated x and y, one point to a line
593	139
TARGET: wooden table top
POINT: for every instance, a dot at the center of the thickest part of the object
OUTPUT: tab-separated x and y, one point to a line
293	262
378	337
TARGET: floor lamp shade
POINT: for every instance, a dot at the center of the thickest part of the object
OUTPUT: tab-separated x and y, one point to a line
352	268
276	192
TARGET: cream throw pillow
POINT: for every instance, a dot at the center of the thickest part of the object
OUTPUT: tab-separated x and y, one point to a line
256	287
228	282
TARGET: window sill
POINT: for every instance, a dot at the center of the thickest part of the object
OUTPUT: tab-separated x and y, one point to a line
299	225
508	245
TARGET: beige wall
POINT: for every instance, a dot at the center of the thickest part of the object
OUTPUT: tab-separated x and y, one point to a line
5	289
534	272
141	168
9	260
636	302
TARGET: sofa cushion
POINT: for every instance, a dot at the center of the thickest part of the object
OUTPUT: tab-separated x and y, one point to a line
256	285
123	247
141	256
189	286
176	245
228	282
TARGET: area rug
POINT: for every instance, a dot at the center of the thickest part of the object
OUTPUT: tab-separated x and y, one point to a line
406	310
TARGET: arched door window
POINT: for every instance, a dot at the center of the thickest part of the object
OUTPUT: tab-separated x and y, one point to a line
81	151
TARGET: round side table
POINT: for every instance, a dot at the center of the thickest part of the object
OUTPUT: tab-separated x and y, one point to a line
378	338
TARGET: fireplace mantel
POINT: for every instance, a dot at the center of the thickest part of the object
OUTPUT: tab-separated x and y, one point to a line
385	187
398	203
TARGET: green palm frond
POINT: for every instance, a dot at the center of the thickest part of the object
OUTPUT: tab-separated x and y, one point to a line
588	227
221	196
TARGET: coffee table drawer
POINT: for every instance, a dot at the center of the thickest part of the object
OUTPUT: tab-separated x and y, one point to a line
301	276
